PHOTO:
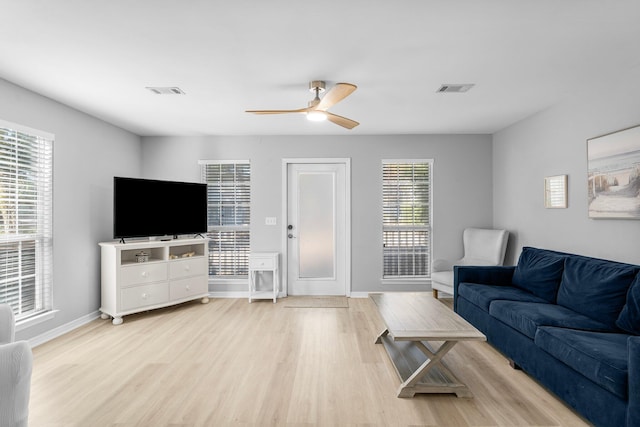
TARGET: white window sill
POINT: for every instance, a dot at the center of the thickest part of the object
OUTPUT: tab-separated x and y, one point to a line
406	281
32	321
219	281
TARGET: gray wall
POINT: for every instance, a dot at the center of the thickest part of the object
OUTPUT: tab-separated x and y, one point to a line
462	185
87	154
553	142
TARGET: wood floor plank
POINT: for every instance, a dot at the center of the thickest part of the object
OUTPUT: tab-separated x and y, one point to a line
261	364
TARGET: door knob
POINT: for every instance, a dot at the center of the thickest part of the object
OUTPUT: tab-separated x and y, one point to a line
291	236
290	227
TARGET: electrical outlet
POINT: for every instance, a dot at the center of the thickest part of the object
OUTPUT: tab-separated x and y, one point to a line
270	220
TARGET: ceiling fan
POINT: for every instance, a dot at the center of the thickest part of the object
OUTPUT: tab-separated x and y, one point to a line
317	109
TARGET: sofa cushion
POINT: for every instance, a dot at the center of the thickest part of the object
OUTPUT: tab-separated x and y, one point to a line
482	295
526	317
602	357
629	319
595	288
539	272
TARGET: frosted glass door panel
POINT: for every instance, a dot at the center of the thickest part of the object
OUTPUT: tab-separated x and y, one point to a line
316	229
316	232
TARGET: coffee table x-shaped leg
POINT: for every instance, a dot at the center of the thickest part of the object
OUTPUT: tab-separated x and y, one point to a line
421	368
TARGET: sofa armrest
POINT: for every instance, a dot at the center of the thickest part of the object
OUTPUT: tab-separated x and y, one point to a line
633	410
486	275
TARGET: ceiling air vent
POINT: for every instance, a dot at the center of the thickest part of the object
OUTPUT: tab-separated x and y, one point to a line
455	88
166	90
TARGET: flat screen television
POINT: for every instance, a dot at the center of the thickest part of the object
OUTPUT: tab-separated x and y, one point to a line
146	208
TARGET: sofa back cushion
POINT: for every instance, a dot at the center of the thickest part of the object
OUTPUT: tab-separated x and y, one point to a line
595	288
629	319
539	272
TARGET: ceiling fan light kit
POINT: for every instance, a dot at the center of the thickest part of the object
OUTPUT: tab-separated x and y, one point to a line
316	116
317	107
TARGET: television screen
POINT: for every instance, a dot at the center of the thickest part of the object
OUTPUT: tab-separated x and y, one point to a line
145	207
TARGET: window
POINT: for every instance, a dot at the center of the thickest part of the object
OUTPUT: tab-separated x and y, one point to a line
25	220
406	216
228	204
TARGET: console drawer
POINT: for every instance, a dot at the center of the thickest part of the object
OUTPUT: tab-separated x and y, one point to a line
187	267
145	295
185	288
143	273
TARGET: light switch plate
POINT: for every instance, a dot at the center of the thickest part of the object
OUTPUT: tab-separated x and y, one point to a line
270	220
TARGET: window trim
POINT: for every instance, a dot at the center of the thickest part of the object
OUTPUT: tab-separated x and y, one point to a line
45	231
407	280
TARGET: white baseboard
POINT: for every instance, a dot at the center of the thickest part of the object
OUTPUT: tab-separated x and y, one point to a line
229	294
235	294
61	330
245	294
359	295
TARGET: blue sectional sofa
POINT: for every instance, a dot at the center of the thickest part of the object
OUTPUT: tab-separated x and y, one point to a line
570	321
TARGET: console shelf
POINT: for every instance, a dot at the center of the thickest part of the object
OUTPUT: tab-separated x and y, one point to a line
145	275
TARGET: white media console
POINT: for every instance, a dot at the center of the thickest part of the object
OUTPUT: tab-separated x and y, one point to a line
145	275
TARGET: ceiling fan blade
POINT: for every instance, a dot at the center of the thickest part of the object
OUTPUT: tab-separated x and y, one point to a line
341	121
301	110
337	93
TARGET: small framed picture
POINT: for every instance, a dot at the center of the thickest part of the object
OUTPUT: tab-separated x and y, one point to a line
555	192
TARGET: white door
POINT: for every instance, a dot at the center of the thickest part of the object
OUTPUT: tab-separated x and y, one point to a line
316	229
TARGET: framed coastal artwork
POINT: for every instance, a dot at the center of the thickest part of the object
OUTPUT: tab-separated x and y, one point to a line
614	174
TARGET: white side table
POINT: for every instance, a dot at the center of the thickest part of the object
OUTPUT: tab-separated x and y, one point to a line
263	261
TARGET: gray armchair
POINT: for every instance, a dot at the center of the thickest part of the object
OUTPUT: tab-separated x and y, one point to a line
481	247
16	362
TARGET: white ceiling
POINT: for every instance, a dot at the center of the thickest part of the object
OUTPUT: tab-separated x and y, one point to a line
229	56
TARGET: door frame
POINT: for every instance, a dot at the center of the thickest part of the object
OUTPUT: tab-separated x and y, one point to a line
285	216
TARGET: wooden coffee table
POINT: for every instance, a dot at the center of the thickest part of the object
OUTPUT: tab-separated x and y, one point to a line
411	319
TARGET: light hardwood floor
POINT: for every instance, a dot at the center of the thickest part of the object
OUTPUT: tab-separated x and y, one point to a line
234	363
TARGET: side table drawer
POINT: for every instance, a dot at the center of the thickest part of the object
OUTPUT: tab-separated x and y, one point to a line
261	263
141	296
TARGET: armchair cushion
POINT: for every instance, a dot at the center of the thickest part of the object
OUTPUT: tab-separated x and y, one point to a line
443	278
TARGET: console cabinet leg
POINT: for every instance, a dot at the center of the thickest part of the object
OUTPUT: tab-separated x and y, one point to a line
205	300
104	316
117	321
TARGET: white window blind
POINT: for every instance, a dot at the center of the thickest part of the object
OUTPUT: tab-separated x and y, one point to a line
228	201
25	220
406	215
